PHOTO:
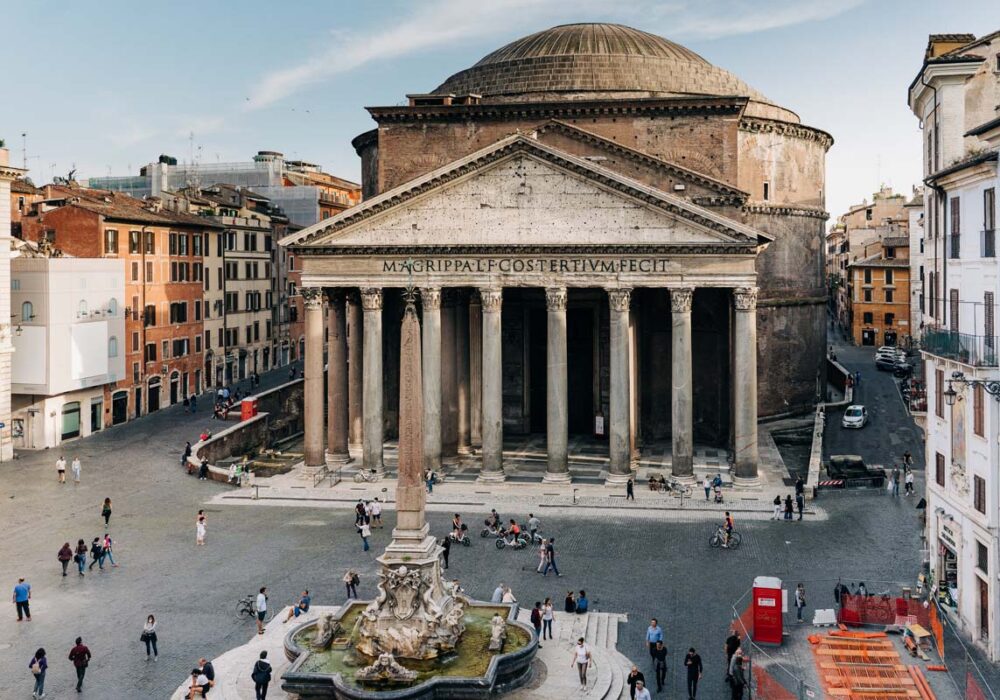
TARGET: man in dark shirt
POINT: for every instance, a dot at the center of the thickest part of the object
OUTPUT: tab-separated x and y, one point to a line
80	656
692	662
732	644
207	668
634	676
659	654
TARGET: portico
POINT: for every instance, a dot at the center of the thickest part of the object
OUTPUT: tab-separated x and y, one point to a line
556	296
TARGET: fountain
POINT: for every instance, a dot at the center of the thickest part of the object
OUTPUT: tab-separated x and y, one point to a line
419	638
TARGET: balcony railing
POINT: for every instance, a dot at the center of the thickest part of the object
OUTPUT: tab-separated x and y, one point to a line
975	350
988	243
955	247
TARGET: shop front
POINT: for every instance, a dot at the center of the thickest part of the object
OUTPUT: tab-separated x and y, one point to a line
949	550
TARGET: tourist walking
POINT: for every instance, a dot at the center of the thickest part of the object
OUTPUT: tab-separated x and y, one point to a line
61	469
107	547
148	637
732	646
654	634
200	526
38	665
64	556
630	491
536	621
96	554
194	403
81	555
548	614
800	601
543	555
789	509
21	599
581	657
445	550
692	663
351	581
660	664
777	508
376	513
800	504
186	453
737	680
203	467
80	656
634	676
76	470
895	481
707	485
365	531
642	692
106	511
497	593
908	481
261	676
550	558
261	609
907	460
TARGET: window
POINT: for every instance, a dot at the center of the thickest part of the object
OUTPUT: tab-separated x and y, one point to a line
867	294
182	346
196	272
173	272
868	276
197	343
208	339
267	242
110	241
890	319
988	326
888	295
291	262
939	393
135	372
267	330
890	253
15	284
956	216
196	244
232	302
150	316
182	244
135	308
197	310
27	311
149	271
977	410
979	493
206	310
982	558
939	469
135	342
888	277
165	348
868	318
113	346
81	309
112	307
230	240
150	352
150	242
232	271
135	272
173	244
990	209
249	271
256	331
953	312
178	312
868	214
133	242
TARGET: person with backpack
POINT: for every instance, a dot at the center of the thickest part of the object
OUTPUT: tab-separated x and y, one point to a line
536	621
64	556
96	555
38	665
80	656
351	581
81	555
106	511
261	676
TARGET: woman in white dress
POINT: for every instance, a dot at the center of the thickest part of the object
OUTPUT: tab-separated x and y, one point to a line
201	527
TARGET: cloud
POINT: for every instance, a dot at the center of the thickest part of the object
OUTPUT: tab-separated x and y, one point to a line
447	22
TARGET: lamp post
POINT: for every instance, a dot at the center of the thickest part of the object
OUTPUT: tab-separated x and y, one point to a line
990	386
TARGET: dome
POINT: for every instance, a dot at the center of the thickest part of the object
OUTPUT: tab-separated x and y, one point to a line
600	61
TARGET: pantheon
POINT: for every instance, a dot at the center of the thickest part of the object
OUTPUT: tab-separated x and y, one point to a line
614	241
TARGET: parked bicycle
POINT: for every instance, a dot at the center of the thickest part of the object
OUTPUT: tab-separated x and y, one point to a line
247	607
369	475
719	538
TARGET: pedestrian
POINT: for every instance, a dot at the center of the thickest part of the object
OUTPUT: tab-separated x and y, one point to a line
800	601
642	692
634	676
895	481
187	404
800	487
76	470
261	609
64	556
800	502
81	555
368	512
508	595
261	676
377	513
203	467
106	547
857	378
359	513
660	664
550	558
21	598
445	550
365	531
908	479
907	459
533	527
581	657
301	607
194	403
497	593
61	469
777	508
200	526
543	555
569	605
737	681
106	511
351	581
692	662
186	453
630	491
96	554
582	604
548	614
80	656
148	637
38	665
654	634
732	646
788	507
707	485
536	621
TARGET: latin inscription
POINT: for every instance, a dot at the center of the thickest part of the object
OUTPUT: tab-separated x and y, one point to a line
526	265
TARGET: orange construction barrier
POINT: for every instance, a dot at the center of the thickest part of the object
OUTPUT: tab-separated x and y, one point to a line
768	687
937	629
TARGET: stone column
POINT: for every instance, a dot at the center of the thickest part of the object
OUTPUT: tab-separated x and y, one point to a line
557	426
492	300
371	300
681	393
355	417
620	451
462	350
476	369
449	379
430	299
313	390
745	386
336	379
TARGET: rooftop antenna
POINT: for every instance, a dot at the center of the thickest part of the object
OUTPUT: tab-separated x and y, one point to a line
24	150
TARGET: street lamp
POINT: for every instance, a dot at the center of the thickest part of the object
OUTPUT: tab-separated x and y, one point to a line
990	386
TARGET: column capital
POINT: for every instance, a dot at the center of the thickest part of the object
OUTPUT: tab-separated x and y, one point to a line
475	299
745	298
492	299
371	298
620	298
680	299
336	295
313	297
555	298
430	297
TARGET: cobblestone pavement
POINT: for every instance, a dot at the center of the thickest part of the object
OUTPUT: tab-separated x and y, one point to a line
626	562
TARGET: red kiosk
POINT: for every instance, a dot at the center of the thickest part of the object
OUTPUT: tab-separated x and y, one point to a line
767	609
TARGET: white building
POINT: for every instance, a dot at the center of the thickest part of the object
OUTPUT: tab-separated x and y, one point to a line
69	340
918	300
956	95
7	175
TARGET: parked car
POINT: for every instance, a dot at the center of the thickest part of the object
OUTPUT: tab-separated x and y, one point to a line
854	472
890	353
902	370
885	363
855	417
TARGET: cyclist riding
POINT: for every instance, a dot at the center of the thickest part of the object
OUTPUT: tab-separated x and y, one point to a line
456	527
728	526
513	532
493	521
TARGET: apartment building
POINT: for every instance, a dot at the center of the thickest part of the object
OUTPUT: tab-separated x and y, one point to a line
880	295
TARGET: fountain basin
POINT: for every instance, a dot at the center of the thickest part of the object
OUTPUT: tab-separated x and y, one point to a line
470	672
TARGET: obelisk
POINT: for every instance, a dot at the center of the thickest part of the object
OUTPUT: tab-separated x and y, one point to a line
410	492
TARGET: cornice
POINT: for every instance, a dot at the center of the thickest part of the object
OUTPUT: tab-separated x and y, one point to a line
748	249
9	172
780	210
760	125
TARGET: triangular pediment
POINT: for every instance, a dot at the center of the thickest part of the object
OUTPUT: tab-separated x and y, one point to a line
519	192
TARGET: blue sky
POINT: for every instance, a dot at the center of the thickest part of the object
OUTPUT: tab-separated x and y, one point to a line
107	87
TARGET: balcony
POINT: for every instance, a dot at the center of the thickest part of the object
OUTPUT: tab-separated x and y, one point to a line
955	246
975	350
988	243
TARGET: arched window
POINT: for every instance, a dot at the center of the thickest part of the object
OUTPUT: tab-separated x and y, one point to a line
113	307
113	346
82	308
27	311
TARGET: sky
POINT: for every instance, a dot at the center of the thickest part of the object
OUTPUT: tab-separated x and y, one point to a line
107	87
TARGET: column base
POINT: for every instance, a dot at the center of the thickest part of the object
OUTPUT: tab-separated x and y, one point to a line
686	479
746	482
491	477
465	450
337	459
557	478
619	479
309	472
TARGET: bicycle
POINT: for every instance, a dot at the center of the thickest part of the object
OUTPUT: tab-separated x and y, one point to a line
717	539
369	475
247	607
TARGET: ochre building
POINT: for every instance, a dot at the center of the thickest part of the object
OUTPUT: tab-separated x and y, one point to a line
610	236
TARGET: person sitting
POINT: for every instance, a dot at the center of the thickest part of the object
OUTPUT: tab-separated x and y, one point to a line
582	604
513	532
302	607
199	684
570	604
717	491
493	521
456	527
